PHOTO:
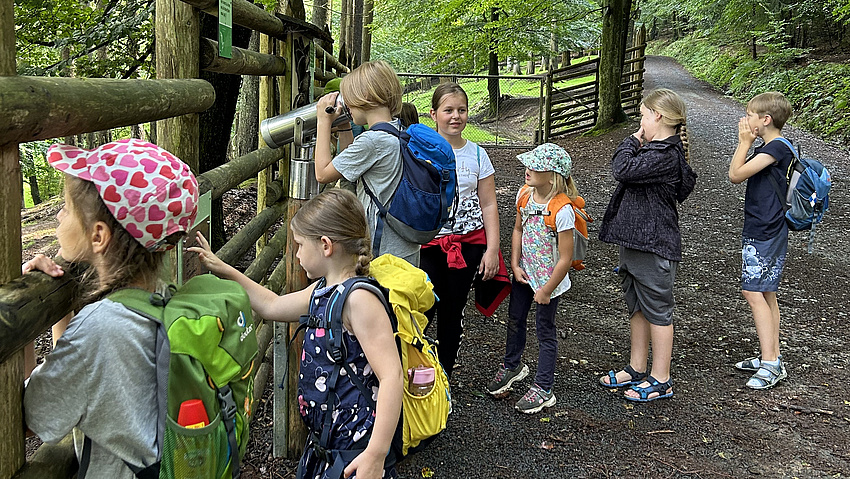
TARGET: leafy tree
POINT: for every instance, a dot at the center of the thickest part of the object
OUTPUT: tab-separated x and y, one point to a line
43	180
45	27
458	36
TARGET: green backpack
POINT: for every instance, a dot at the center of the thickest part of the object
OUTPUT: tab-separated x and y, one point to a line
208	353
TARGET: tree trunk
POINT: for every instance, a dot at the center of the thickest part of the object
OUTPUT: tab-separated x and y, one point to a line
529	67
36	195
357	34
344	30
248	123
611	55
553	52
493	69
320	13
217	121
368	11
565	58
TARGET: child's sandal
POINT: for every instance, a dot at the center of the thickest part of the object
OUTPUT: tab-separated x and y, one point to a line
634	378
654	387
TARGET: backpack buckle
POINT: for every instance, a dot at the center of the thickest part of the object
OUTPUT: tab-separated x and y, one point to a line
337	355
228	405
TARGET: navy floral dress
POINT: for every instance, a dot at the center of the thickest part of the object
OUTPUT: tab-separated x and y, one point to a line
353	418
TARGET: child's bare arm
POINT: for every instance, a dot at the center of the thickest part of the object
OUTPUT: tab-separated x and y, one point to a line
739	168
266	303
562	267
490	214
365	315
516	251
325	171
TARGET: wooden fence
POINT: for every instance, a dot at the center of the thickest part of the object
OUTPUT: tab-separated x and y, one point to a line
36	108
572	92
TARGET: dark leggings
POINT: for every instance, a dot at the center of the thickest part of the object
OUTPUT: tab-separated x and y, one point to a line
522	297
452	288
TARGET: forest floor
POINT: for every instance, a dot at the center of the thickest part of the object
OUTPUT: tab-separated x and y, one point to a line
713	426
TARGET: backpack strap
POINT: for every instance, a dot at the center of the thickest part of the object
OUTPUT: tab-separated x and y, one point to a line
150	306
228	416
336	348
550	211
403	139
782	193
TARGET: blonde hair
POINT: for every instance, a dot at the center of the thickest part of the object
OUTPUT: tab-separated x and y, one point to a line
372	85
562	185
771	103
125	260
339	215
673	111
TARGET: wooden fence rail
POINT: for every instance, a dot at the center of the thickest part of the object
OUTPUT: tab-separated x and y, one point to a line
39	108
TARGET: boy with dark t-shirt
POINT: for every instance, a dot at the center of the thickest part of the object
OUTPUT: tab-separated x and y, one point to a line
765	234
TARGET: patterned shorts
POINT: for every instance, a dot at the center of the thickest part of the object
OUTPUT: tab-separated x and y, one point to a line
762	263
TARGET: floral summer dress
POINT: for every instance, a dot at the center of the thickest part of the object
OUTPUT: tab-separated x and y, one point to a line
353	418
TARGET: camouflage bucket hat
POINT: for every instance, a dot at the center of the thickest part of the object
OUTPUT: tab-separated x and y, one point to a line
548	157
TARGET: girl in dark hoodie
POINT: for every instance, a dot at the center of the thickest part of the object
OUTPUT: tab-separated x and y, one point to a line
652	169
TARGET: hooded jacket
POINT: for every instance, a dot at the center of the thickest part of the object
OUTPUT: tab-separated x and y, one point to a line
642	213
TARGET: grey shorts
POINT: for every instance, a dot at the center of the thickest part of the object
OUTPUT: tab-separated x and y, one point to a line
647	281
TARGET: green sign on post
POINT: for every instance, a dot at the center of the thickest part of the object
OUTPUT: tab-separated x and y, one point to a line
225	28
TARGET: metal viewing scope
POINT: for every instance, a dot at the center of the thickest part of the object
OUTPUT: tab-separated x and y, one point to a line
280	130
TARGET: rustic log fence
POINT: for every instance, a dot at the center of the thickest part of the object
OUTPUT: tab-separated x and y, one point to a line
36	108
572	92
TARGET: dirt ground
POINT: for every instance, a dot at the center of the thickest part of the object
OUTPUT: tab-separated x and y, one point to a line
713	426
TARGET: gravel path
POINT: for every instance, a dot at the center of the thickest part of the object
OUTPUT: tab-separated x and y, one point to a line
713	426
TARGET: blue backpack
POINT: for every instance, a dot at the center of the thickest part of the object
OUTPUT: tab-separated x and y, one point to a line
806	197
423	201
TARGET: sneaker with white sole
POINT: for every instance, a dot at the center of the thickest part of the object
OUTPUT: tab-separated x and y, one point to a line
535	400
505	377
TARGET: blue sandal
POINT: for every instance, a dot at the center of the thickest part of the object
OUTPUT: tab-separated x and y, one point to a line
654	387
634	378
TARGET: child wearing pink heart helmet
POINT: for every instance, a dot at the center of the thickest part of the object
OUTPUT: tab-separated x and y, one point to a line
126	203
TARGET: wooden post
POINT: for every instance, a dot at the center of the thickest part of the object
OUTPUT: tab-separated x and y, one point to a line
12	452
178	34
266	111
547	118
296	279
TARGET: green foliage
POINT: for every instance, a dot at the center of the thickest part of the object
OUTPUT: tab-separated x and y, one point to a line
113	40
818	91
33	162
456	36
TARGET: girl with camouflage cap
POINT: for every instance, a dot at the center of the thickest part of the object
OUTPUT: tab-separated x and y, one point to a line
540	262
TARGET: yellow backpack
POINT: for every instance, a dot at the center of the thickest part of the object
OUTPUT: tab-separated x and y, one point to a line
406	293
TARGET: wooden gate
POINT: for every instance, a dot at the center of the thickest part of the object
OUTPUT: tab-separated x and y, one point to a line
572	92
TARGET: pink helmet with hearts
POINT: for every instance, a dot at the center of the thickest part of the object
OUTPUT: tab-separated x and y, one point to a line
148	190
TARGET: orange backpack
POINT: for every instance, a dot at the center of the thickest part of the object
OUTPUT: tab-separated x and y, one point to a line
580	238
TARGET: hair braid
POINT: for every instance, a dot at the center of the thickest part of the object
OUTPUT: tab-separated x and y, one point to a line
683	134
364	257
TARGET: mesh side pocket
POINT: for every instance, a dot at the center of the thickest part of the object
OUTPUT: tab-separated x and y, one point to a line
194	453
425	416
